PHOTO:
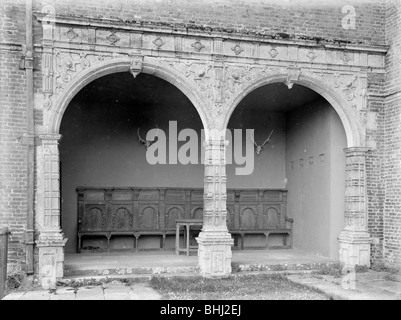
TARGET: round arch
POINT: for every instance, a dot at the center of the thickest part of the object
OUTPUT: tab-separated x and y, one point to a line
351	124
122	65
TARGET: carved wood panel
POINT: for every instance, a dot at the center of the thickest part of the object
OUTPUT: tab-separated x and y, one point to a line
152	209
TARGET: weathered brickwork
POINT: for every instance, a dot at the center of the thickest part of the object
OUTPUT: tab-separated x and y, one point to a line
374	164
13	167
392	123
313	19
378	22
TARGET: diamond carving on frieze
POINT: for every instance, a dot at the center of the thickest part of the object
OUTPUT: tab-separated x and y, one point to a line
311	56
198	46
273	52
237	49
113	38
71	34
345	57
158	42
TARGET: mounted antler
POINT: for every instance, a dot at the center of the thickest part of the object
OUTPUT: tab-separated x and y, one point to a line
148	143
260	147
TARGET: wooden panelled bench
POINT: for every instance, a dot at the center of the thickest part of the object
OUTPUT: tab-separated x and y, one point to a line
259	212
139	212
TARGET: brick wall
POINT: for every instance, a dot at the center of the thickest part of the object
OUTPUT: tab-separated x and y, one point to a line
310	18
392	115
13	164
270	18
374	165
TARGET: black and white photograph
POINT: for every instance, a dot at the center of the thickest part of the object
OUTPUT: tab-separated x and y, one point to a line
201	157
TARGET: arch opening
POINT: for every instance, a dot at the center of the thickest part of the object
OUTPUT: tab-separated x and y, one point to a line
304	157
101	155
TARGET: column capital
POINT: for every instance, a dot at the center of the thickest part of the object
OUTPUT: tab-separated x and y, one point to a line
356	150
216	142
50	138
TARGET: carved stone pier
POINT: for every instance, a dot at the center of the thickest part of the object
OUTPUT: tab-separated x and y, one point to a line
51	240
214	253
354	240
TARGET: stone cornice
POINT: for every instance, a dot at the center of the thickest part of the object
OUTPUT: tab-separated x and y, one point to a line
209	33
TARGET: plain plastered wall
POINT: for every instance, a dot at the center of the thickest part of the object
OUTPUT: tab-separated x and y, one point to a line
315	172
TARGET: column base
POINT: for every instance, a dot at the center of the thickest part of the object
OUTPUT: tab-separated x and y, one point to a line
51	259
214	253
354	248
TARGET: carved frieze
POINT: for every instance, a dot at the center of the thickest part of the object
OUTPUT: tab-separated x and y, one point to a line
198	46
273	52
113	38
158	42
71	34
237	49
69	63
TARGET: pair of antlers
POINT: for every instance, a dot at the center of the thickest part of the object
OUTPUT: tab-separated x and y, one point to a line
260	147
148	143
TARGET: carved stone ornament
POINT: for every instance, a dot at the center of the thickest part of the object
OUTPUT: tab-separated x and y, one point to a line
293	76
198	46
158	42
237	49
113	38
311	56
273	52
136	66
345	57
71	34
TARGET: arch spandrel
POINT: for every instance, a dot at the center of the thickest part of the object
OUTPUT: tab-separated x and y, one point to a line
346	92
76	75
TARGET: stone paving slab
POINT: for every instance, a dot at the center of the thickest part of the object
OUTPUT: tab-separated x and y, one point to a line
368	286
14	296
90	293
117	291
391	286
143	292
362	289
36	295
63	294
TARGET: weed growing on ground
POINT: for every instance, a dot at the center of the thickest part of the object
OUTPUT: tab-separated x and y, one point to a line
334	270
361	269
382	267
260	286
15	277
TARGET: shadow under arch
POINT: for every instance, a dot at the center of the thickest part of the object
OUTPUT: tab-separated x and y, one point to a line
121	65
351	124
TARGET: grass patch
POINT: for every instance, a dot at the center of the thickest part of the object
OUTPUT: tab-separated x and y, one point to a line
330	270
247	287
382	267
15	277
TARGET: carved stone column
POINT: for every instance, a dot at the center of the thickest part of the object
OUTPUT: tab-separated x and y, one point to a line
354	240
51	240
214	253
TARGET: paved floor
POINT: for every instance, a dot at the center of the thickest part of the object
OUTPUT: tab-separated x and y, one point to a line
366	286
371	285
109	291
155	262
362	286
